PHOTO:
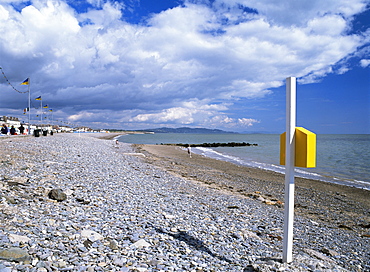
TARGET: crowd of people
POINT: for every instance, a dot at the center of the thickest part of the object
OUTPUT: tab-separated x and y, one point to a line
12	131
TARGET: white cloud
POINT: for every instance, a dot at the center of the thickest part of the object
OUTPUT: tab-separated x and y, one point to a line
187	66
365	63
109	14
247	121
292	12
199	112
81	115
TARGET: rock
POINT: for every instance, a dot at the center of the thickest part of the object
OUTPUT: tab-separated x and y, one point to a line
61	264
329	252
269	202
10	200
113	245
120	261
91	235
168	216
14	254
318	255
18	238
68	192
57	194
82	200
140	244
18	181
5	269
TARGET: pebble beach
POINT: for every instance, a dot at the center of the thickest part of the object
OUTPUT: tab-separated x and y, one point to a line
78	202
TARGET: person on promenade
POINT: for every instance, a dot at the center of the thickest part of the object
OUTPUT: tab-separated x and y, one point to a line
21	129
4	129
12	130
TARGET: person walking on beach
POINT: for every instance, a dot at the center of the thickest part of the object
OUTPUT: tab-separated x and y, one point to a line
12	130
4	129
21	129
189	150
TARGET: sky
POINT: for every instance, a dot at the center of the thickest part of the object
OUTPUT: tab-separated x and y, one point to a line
218	64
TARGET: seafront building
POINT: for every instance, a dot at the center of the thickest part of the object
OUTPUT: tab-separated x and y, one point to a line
10	121
14	121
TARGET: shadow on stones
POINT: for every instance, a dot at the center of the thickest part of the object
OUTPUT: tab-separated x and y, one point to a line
274	259
193	242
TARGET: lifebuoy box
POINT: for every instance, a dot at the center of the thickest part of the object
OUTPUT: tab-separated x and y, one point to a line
305	148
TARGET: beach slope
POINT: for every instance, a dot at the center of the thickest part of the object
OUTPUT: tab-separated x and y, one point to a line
74	202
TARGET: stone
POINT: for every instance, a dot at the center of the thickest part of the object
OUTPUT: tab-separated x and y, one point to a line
140	244
68	192
318	255
113	245
82	200
57	194
18	181
10	200
120	261
14	254
329	252
250	234
5	269
61	264
18	238
91	235
168	216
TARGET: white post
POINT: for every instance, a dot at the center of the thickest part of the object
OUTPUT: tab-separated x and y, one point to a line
289	169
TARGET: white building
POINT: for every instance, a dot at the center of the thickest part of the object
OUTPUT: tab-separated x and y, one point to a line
10	121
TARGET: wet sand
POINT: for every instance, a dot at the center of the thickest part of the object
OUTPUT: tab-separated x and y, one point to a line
329	204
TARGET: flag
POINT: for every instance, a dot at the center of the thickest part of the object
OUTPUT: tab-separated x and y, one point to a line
26	82
46	106
38	98
50	110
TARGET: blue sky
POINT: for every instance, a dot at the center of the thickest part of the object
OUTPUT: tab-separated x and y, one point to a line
221	64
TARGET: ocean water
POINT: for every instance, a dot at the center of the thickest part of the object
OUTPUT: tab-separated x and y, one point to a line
343	159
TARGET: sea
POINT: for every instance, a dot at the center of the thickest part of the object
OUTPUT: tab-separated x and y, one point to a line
340	158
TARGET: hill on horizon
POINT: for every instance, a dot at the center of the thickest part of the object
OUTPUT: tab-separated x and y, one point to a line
188	130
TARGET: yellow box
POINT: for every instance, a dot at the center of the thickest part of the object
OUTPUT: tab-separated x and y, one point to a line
305	148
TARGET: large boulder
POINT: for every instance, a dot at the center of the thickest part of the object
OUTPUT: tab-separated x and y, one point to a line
57	194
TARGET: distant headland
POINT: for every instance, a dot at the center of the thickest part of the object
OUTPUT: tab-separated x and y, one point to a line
186	130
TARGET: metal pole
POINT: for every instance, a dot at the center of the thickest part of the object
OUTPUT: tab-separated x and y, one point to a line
41	111
29	106
289	169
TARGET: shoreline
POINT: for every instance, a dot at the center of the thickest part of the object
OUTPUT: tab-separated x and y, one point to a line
300	173
331	204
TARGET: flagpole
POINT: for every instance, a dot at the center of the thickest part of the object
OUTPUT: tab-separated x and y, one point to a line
29	106
41	112
52	119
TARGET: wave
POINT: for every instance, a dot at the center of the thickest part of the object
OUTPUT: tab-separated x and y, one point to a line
211	153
